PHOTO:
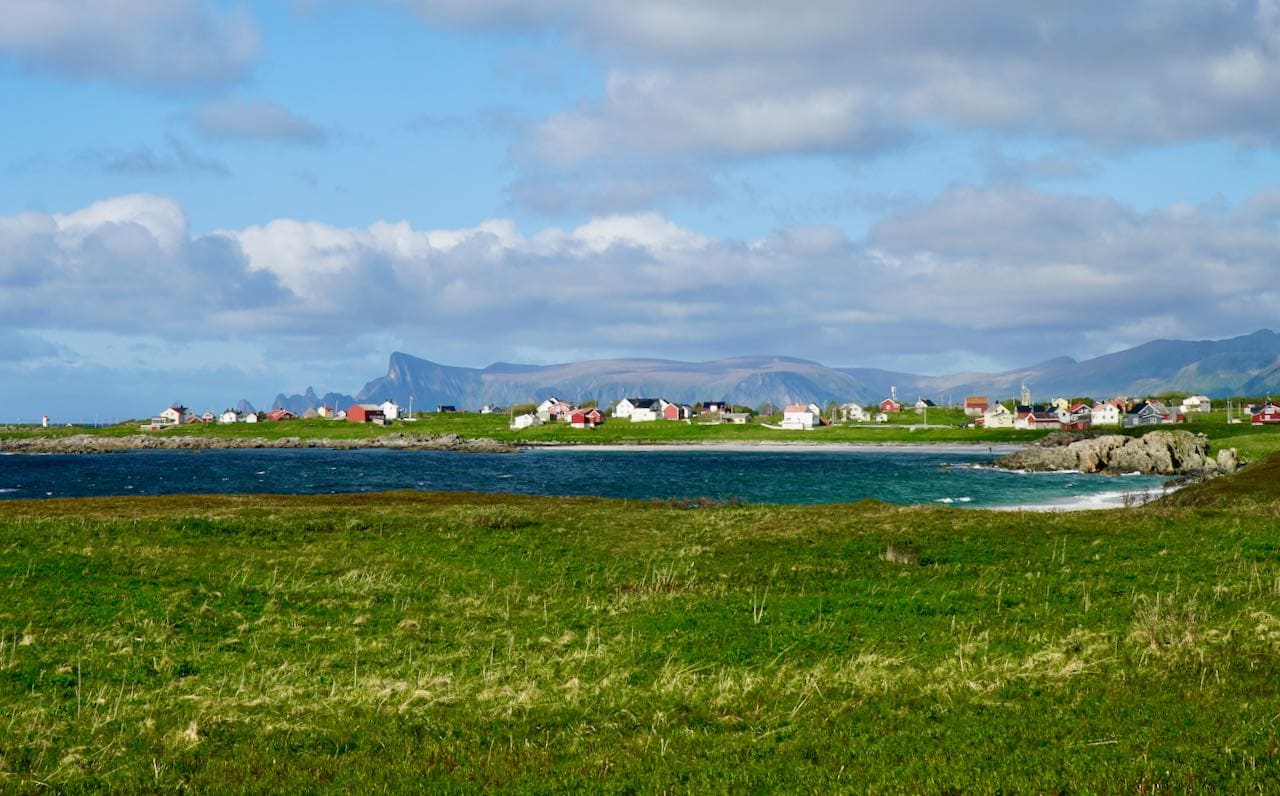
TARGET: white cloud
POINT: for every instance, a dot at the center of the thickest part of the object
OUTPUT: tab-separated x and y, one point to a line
126	264
154	43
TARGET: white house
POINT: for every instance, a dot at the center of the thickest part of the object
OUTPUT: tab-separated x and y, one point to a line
249	417
924	404
881	417
1079	416
1106	414
643	410
623	408
799	417
554	409
228	417
854	413
490	409
1060	403
173	416
391	410
524	421
1196	403
997	416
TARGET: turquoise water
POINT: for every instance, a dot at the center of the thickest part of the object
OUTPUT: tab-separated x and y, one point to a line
894	475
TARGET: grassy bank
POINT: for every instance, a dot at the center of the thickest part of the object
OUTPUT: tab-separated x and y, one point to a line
467	643
1254	443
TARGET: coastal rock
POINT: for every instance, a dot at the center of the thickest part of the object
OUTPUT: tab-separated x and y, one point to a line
94	443
1156	453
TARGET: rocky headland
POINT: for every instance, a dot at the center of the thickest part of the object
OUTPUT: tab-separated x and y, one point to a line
93	443
1172	453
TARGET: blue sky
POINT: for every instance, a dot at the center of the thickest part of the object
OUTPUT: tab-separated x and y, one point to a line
208	200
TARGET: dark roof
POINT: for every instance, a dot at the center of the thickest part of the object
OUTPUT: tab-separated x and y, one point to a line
645	403
1141	407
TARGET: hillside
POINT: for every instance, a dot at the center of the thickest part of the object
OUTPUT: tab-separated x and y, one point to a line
1249	364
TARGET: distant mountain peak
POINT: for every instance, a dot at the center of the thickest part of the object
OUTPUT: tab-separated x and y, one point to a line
1212	367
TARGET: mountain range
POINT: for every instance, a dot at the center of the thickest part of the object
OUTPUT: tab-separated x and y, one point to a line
1245	365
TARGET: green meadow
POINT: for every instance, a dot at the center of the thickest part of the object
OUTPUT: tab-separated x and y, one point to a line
904	428
468	643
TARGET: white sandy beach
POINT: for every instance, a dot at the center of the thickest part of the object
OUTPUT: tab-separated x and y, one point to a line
1096	502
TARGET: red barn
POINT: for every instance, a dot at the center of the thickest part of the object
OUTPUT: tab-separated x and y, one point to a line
675	412
890	405
366	413
586	418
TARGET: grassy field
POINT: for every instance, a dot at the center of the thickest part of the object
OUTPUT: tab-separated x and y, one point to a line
469	643
496	427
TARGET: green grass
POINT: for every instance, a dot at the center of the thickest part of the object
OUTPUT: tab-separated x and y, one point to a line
466	643
612	431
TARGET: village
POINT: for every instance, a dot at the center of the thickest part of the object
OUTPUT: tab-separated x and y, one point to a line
979	412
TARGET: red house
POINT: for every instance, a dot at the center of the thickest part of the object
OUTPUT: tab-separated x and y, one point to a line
1077	418
675	412
1042	420
366	413
1267	415
585	418
890	405
280	414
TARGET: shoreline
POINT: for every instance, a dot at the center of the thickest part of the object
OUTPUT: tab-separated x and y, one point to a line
771	446
92	443
79	444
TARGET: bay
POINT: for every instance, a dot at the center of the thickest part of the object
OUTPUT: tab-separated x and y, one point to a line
960	478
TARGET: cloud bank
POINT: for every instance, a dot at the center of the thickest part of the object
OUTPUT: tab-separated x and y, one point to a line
713	81
1007	273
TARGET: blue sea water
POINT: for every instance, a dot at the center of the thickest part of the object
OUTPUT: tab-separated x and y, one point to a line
894	475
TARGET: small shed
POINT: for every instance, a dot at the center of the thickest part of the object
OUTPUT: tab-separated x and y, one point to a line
585	418
366	413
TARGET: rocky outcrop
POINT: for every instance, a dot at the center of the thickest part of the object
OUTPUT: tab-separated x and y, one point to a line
93	443
1177	453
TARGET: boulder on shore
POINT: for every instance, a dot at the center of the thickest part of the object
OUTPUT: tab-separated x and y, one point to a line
1178	453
